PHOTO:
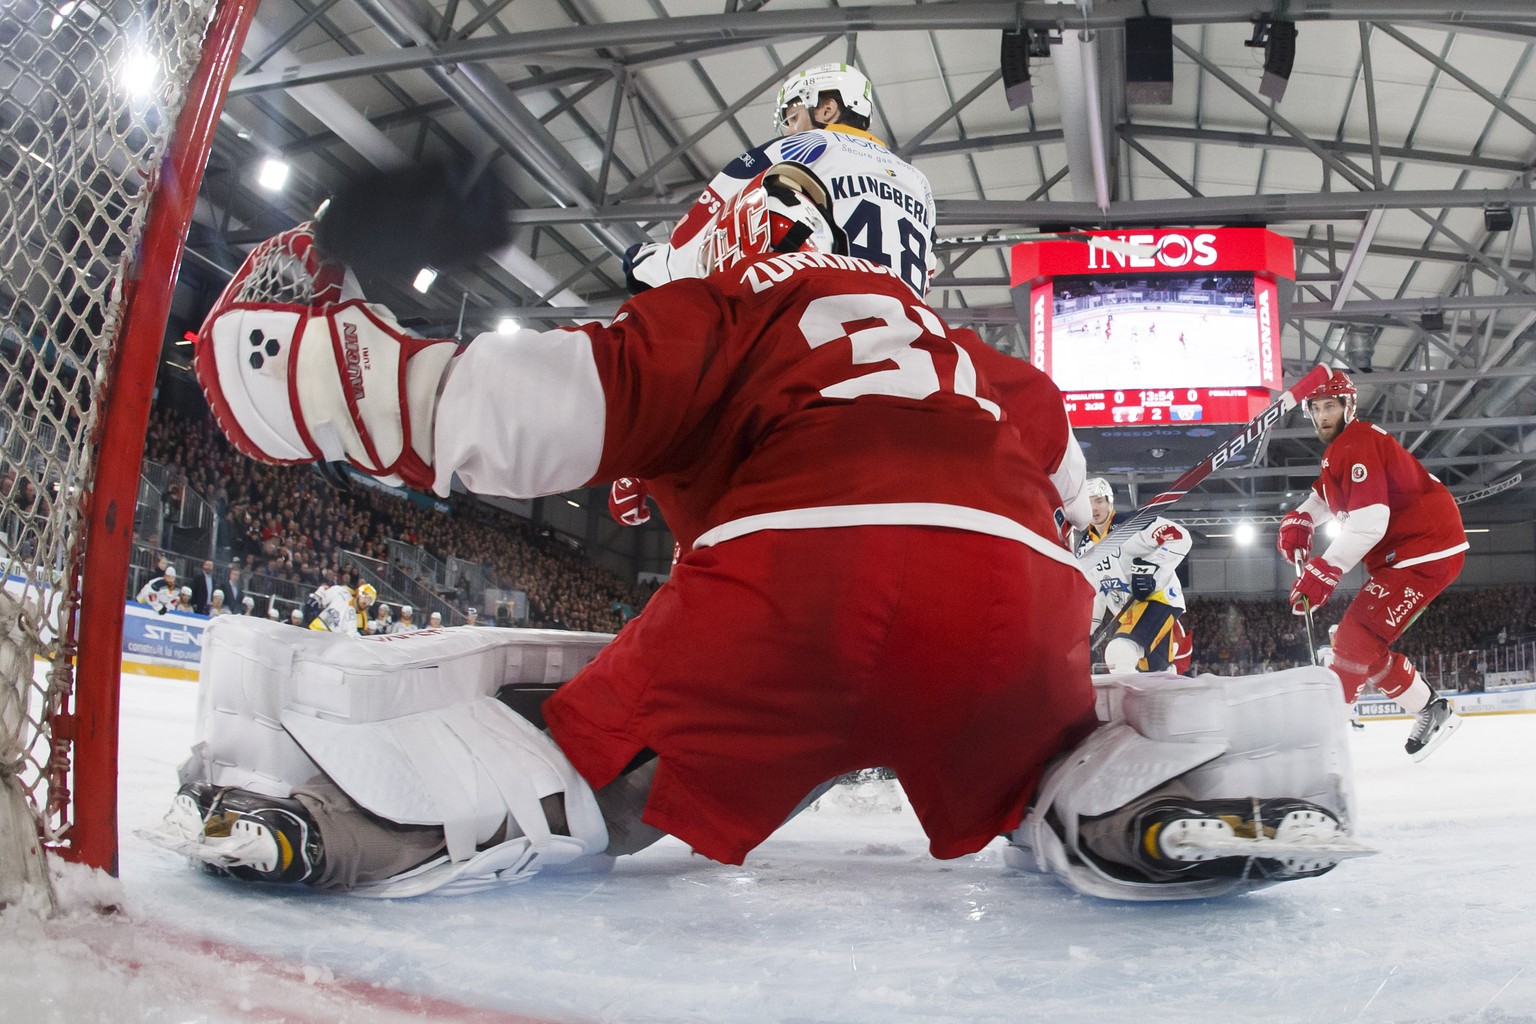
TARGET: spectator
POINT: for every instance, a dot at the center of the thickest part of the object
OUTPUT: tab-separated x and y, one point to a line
234	589
471	617
203	587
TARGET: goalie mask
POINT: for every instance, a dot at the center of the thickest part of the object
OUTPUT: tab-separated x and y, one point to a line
856	92
784	209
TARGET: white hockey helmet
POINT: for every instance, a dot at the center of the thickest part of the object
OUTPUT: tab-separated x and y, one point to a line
1098	487
786	208
806	85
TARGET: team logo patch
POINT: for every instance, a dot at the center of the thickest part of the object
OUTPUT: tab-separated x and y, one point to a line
1357	472
804	148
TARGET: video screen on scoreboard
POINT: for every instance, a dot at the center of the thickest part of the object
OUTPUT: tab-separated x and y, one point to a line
1155	332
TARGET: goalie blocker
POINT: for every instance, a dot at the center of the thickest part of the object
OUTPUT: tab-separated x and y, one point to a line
1186	791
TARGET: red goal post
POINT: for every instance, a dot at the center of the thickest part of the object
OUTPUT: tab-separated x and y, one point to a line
107	116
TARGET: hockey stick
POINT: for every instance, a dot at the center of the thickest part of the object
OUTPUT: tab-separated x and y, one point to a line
1196	474
1306	611
1114	245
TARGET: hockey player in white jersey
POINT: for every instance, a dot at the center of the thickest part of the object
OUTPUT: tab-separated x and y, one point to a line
342	611
1136	580
882	203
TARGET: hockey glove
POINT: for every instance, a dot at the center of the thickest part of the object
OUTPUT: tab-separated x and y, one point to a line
633	257
1143	579
1314	586
1295	535
317	379
626	501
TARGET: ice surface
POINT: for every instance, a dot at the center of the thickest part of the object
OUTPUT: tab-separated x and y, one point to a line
840	917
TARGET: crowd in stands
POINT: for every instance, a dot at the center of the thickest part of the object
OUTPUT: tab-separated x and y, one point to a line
286	523
289	524
1233	637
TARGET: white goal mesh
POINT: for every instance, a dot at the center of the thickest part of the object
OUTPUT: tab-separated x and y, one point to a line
92	132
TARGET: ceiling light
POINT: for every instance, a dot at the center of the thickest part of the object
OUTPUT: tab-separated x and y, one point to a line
424	278
1333	529
140	70
273	174
1244	533
507	325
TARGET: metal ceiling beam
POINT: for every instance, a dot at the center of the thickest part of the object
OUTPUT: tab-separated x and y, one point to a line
1257	140
541	46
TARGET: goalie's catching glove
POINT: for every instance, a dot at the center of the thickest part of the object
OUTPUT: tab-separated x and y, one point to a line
1295	535
1314	586
294	375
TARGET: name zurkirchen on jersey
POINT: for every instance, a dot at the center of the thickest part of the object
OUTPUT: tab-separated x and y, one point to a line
764	275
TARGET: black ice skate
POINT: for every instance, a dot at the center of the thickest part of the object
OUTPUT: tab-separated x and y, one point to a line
1278	839
242	834
1432	727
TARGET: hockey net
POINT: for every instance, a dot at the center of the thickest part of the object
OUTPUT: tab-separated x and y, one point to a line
107	109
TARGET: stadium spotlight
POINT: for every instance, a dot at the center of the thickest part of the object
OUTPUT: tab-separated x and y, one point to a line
1149	60
273	174
424	278
1498	217
507	325
1278	38
1245	533
1333	529
140	73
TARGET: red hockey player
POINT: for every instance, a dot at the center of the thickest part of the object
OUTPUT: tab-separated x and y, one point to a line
1404	525
868	503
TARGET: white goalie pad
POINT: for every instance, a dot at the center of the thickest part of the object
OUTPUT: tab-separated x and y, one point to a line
253	670
1277	735
473	768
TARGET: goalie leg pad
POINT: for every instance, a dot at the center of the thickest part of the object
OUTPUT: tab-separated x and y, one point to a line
1278	736
477	769
253	670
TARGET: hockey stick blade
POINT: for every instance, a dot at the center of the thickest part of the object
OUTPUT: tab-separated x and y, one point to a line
1196	474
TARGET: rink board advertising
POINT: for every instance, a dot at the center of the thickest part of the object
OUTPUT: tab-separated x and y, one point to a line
1188	337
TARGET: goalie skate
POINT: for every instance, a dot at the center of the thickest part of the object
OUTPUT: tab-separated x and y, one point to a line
238	833
1279	839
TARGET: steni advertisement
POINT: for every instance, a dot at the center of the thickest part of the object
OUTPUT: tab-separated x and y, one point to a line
1186	333
169	644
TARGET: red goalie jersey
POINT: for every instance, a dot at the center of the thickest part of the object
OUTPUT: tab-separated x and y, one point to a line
797	391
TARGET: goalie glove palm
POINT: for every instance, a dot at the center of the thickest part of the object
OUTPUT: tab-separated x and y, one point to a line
291	384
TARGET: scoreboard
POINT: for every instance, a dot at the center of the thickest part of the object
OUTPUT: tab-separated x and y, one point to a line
1152	351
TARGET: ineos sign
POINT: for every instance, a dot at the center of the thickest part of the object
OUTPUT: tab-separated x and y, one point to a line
1173	250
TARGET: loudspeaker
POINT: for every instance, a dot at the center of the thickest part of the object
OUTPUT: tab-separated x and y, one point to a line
1279	56
1149	60
1015	60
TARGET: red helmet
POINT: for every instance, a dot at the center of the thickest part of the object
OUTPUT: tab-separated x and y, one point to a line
1337	386
784	209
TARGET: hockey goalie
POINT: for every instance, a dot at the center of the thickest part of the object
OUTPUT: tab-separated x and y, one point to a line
872	574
